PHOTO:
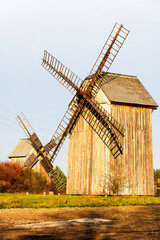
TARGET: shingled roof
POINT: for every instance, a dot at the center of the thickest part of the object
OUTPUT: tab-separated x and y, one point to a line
22	148
128	90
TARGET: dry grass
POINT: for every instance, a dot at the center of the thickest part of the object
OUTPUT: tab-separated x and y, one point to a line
8	200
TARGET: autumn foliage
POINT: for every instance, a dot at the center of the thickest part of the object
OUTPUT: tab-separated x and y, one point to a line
14	178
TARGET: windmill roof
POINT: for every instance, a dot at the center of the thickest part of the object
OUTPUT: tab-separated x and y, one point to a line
128	90
22	148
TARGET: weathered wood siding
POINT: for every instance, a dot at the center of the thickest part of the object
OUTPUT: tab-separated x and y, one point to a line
137	159
86	163
89	158
19	160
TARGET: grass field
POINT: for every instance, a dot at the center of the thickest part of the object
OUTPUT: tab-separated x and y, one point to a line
8	200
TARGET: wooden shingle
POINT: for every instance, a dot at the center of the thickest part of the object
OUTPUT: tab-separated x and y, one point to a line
128	90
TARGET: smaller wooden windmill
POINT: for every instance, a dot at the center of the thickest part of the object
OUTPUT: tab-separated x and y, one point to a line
42	152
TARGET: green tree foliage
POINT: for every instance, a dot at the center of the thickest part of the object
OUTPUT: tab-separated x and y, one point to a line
156	174
58	180
15	178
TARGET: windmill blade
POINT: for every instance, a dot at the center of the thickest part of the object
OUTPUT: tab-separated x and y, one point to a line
50	145
31	161
43	156
46	163
61	134
105	117
68	121
103	127
26	126
65	76
103	123
110	50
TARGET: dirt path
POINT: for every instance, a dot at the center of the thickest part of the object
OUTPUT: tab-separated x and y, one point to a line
81	223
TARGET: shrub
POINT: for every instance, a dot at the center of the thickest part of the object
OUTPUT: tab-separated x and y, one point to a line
12	173
4	186
34	182
14	178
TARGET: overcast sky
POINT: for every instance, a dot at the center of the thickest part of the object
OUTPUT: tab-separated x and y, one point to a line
74	32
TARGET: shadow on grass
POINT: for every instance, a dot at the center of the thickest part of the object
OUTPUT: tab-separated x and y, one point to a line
41	237
75	230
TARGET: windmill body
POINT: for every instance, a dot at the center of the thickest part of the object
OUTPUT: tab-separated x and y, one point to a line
90	161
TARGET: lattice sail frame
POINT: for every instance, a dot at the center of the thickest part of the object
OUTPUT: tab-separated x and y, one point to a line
105	59
90	87
119	35
63	74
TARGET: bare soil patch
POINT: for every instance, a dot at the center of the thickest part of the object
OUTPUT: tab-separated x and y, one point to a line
129	222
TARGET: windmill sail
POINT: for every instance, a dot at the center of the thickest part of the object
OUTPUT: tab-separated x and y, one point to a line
107	118
110	49
103	127
31	161
65	76
29	131
83	104
69	119
108	53
43	156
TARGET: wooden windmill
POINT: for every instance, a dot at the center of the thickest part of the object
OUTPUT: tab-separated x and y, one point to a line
41	152
84	101
83	104
97	140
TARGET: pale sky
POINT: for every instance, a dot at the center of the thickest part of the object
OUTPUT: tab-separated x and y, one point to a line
74	32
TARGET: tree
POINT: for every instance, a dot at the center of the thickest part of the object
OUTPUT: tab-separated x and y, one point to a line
156	174
11	173
116	179
59	180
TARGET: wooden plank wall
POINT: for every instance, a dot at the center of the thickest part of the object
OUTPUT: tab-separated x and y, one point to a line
86	161
87	158
137	159
19	160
